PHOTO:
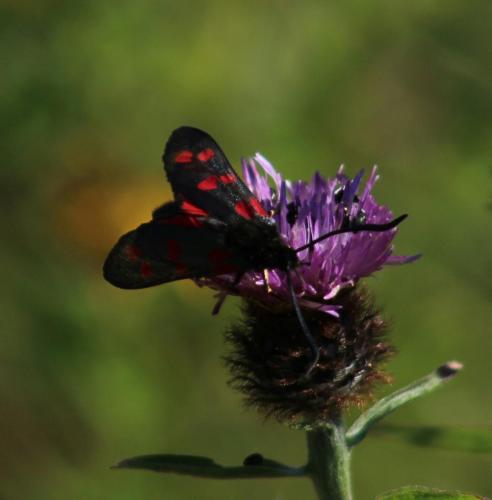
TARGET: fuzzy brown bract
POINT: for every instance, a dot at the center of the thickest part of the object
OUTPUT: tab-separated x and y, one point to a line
269	354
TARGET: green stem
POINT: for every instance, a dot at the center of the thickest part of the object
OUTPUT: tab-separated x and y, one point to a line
329	462
390	403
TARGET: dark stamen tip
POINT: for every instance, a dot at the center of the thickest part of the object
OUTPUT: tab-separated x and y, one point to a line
449	369
253	459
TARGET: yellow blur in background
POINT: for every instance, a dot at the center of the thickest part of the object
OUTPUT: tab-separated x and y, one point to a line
90	374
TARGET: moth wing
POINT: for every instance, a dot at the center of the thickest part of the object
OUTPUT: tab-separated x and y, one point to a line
204	181
172	246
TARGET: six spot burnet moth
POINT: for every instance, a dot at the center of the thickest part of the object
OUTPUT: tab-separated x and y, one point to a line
214	226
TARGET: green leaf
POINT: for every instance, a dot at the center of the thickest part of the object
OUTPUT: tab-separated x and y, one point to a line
424	493
166	462
449	438
206	467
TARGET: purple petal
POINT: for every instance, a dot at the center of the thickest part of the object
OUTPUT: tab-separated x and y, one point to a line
402	259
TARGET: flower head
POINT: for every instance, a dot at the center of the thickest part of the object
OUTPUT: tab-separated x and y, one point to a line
269	353
303	211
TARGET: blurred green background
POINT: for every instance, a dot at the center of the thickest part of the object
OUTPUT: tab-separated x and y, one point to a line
90	90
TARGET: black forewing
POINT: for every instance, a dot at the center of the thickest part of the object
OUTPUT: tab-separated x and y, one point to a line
201	175
172	246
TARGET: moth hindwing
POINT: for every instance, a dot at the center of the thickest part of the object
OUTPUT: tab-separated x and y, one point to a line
215	225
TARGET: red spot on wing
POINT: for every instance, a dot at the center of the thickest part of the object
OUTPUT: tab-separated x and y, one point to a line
146	270
220	260
182	220
191	209
132	252
228	178
257	207
184	157
174	251
180	268
209	183
249	209
212	181
243	209
205	155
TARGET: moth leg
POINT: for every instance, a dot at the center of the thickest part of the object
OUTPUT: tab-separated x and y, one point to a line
311	249
268	288
238	278
307	263
221	296
298	274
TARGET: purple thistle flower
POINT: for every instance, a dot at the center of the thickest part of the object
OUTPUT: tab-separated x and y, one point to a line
269	354
303	211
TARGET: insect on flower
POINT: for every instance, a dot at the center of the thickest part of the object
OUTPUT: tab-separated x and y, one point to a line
214	226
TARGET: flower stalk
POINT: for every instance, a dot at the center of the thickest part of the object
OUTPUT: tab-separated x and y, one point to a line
329	447
390	403
329	462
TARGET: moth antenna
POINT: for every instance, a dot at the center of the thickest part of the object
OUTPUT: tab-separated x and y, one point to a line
305	329
355	229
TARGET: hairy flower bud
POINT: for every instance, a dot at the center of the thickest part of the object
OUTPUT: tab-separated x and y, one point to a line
269	355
